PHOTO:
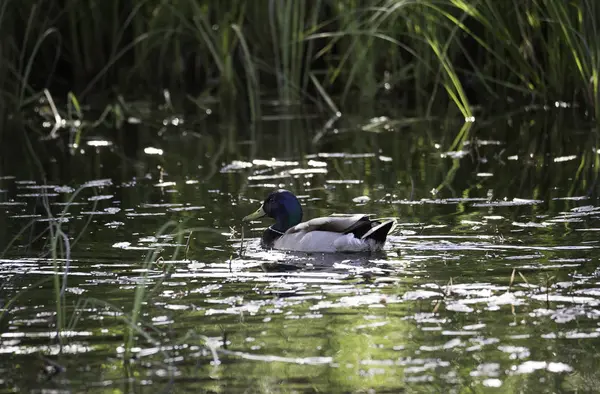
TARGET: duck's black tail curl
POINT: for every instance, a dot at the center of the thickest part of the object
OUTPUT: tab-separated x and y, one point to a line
380	232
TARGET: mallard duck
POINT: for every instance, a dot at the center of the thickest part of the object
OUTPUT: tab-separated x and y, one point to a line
336	233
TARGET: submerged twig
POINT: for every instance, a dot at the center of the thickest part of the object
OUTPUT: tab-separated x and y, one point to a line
241	252
187	245
67	264
525	280
445	294
57	117
512	278
437	306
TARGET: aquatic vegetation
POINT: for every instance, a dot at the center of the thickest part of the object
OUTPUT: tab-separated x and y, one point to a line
265	60
334	54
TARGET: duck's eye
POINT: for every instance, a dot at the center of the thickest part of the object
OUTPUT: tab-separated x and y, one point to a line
270	204
267	202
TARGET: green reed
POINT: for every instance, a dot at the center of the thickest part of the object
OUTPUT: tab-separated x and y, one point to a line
438	57
58	248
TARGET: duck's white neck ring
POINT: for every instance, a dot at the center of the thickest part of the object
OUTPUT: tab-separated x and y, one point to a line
276	231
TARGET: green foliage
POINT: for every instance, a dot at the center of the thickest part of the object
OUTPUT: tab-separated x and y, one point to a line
427	54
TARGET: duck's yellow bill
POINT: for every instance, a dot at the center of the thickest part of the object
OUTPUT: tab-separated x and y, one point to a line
260	212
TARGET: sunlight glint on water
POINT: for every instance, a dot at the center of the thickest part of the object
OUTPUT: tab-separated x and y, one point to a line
491	288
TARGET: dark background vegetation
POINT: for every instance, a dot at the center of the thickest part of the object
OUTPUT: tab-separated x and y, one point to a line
421	53
79	63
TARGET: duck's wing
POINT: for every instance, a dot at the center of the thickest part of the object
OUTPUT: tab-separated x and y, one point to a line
356	224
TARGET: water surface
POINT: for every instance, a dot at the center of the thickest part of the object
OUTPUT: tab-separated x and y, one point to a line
489	283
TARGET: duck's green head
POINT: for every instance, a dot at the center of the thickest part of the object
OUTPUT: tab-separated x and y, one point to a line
282	206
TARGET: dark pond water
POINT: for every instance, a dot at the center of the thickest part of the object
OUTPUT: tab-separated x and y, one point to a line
490	283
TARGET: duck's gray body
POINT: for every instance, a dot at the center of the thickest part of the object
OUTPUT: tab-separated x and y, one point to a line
330	234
